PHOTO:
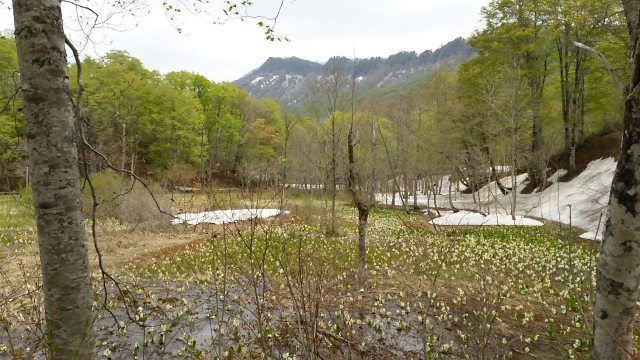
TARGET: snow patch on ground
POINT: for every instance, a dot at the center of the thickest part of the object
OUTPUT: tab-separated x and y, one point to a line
219	217
591	235
469	218
581	202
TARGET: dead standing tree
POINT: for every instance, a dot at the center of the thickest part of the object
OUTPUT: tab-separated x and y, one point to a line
359	189
361	196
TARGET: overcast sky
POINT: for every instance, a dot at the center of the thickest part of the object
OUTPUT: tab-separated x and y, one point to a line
318	30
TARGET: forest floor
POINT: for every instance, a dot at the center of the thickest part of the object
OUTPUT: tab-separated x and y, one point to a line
282	287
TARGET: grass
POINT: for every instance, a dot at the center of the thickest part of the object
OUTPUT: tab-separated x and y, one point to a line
259	288
15	212
502	291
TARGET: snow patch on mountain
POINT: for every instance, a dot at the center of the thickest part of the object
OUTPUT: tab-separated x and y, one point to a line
257	80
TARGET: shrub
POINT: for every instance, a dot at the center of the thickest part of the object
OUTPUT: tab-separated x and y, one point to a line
131	206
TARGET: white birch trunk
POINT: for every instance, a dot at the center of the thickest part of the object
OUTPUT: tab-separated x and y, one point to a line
53	162
618	276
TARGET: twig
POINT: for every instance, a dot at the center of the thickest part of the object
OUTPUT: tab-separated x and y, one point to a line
130	173
523	353
595	237
9	100
82	7
336	337
619	343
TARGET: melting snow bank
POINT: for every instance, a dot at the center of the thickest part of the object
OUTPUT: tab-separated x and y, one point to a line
581	202
591	235
467	218
219	217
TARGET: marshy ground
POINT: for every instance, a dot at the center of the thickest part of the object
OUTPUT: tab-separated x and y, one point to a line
283	288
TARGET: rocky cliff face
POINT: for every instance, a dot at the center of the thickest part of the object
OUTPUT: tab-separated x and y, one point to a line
287	80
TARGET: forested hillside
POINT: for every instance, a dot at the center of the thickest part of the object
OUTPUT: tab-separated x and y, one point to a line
507	106
176	128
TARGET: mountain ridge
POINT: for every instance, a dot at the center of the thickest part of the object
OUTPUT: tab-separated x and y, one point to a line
286	80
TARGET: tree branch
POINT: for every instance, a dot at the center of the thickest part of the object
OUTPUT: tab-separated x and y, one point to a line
77	107
76	55
606	63
82	7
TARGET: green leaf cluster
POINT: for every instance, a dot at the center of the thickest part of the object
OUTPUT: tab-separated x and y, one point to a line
12	149
179	126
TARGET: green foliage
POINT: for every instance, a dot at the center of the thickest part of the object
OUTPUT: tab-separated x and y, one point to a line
16	210
261	141
12	151
176	127
8	59
26	196
236	130
106	185
528	69
139	114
